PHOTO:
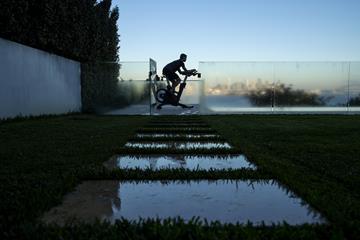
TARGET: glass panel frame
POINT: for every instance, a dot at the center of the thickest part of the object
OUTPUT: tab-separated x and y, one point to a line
280	87
354	87
243	87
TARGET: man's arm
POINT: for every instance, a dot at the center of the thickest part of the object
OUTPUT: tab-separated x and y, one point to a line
184	70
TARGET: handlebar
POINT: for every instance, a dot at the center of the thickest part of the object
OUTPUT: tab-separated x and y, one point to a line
193	72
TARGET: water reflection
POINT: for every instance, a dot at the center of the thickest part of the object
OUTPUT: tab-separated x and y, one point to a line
160	135
155	162
177	124
178	145
223	200
90	200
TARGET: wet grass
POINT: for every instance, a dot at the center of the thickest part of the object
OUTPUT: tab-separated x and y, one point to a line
317	156
171	125
175	174
42	159
179	229
177	130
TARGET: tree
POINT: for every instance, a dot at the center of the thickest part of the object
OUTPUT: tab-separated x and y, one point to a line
354	101
285	96
83	30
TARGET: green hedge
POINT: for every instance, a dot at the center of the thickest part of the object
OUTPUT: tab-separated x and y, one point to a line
83	30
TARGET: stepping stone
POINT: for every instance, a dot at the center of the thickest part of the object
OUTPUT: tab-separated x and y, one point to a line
201	162
222	200
170	135
178	145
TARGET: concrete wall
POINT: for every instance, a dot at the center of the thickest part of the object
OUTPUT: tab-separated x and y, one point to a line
34	82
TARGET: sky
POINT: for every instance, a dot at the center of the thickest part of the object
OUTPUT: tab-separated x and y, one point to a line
239	30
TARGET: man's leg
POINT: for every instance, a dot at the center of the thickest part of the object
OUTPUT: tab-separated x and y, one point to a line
174	79
175	82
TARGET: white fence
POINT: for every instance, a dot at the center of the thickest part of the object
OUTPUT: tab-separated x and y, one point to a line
34	82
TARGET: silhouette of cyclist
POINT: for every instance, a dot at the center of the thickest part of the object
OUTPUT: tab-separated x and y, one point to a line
170	70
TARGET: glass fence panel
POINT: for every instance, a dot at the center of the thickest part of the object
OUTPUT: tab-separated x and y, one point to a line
231	87
354	87
311	86
192	91
134	70
132	90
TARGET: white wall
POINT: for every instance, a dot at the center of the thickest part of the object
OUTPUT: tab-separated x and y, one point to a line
34	82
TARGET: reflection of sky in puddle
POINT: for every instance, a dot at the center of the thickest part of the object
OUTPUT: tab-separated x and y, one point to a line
223	200
203	162
159	135
178	145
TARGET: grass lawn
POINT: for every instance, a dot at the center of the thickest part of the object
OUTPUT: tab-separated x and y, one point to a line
318	157
44	158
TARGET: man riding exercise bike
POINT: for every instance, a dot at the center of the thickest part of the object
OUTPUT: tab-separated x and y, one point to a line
169	71
169	95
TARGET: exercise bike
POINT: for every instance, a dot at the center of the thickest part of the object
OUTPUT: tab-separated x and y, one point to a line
168	95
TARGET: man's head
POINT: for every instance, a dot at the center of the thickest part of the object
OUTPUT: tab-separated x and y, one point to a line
183	57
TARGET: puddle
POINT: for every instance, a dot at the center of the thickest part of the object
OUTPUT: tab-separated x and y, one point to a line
174	124
178	145
225	201
161	135
178	126
178	130
202	162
